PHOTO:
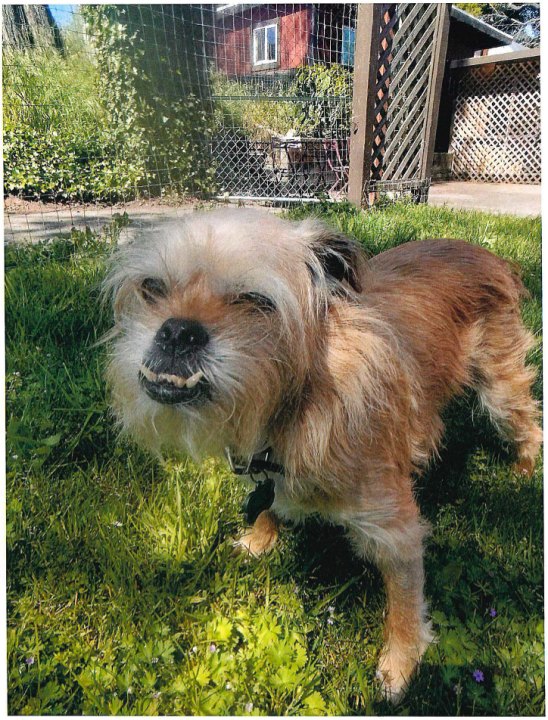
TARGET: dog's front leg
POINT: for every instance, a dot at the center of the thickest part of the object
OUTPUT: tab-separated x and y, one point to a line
407	633
262	536
395	545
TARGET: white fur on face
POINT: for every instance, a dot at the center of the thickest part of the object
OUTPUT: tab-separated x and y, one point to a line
233	252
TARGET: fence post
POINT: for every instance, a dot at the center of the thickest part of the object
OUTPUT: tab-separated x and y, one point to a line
366	55
437	68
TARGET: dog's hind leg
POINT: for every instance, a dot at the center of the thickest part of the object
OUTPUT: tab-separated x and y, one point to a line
503	383
397	549
262	537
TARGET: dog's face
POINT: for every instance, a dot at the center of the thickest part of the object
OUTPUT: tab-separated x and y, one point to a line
218	320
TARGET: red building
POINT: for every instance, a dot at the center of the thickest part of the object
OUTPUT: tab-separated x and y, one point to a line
261	38
266	38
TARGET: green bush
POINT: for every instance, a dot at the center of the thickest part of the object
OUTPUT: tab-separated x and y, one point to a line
155	91
111	118
317	103
257	114
327	114
57	142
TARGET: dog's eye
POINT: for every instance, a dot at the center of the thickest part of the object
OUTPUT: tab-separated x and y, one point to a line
256	300
153	288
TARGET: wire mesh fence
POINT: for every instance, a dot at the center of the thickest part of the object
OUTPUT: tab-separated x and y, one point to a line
282	83
106	106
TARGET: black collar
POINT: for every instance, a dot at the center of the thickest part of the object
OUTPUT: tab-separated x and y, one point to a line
263	496
257	463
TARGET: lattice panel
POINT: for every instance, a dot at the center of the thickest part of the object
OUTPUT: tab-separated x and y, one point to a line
388	21
411	49
496	126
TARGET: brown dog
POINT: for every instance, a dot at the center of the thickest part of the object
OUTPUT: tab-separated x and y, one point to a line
239	330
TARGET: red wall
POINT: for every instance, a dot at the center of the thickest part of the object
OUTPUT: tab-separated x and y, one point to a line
233	38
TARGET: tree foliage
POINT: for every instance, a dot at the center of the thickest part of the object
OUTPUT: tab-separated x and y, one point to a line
520	20
155	90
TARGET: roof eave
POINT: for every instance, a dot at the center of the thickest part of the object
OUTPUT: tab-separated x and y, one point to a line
480	25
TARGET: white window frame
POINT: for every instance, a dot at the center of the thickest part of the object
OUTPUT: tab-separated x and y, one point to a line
265	28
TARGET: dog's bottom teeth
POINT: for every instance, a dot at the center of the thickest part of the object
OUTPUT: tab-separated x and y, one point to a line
149	374
194	379
173	379
179	382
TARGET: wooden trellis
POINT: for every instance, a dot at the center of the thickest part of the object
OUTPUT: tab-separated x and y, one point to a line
496	125
395	118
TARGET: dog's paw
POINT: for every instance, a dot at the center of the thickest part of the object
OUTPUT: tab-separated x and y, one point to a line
262	537
393	690
394	672
256	542
524	467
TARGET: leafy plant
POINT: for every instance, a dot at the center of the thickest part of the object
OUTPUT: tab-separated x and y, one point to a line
155	92
111	117
316	102
328	111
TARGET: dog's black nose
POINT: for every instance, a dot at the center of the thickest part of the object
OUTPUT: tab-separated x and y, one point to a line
177	336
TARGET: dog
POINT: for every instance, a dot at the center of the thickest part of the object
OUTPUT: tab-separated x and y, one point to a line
281	345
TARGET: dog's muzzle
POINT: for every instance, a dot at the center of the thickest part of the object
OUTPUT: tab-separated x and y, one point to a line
170	373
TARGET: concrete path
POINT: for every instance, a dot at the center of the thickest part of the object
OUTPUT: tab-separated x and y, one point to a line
43	222
489	197
33	221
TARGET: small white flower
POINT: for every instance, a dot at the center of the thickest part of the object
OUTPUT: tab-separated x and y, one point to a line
117	523
15	457
331	609
156	695
129	690
154	661
212	648
249	707
228	686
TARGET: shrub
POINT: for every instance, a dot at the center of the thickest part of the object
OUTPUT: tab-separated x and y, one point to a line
327	114
110	118
57	143
316	103
155	91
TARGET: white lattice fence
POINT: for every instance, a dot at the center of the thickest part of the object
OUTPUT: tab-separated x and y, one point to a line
496	126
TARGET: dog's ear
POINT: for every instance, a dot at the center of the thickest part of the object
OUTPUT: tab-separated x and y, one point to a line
341	258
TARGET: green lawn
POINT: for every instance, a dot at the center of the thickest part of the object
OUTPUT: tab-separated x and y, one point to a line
123	593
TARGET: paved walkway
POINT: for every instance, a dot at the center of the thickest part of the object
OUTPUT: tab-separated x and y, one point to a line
489	197
33	221
36	222
30	222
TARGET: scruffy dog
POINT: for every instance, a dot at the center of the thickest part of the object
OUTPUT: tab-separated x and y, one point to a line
242	331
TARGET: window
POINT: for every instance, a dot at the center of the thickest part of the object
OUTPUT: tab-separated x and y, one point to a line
265	44
348	44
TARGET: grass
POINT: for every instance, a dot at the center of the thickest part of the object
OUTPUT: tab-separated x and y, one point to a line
123	594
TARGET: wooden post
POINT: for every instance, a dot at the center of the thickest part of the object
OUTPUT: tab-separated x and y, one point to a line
366	55
437	68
